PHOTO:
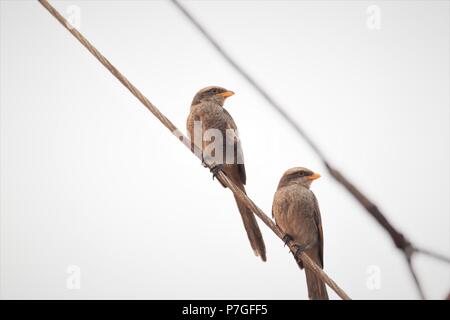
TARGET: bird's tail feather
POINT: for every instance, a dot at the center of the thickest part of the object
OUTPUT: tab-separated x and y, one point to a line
253	231
316	287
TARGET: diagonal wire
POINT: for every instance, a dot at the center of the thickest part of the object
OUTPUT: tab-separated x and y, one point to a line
308	262
400	241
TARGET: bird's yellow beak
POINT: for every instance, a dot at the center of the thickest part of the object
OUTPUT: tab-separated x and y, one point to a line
226	94
314	176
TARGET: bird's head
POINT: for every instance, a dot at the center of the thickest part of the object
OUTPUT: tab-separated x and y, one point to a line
212	94
298	175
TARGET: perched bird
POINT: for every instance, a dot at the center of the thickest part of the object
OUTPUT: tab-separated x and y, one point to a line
208	117
296	212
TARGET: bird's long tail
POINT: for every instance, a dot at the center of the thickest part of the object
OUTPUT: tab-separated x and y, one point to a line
316	287
252	228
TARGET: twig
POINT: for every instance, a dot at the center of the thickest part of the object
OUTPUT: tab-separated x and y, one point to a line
432	254
399	239
415	278
169	125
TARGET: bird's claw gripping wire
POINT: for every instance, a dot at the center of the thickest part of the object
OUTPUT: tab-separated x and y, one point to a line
204	164
215	169
299	249
286	239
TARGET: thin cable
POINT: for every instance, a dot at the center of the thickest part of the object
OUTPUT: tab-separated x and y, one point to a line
310	264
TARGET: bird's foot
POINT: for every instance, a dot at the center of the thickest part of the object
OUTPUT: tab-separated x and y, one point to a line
204	164
286	239
301	248
215	169
298	250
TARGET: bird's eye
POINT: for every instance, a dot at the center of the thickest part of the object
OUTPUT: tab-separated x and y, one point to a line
301	173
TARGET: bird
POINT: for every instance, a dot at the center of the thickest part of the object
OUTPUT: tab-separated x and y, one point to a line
208	118
296	212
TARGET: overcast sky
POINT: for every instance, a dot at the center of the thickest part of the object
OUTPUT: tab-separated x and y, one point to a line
92	182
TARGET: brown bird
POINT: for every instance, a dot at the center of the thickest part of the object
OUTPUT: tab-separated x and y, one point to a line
296	212
209	118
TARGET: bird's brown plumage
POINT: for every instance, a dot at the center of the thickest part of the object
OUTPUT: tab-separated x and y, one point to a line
296	212
207	110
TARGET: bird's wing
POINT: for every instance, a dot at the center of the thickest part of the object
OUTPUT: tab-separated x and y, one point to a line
318	221
274	206
194	115
197	131
233	136
230	119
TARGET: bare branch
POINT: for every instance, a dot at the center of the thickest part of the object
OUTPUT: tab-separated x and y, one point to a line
415	278
432	254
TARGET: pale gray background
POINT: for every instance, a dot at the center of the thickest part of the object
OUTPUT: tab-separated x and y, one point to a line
90	178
